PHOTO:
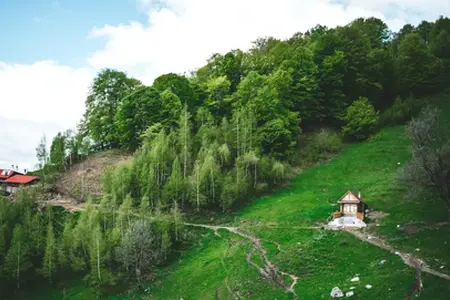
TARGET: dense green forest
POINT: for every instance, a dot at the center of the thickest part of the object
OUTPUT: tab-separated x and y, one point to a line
212	140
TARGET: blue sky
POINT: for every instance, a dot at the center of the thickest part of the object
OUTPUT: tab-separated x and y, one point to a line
50	50
35	30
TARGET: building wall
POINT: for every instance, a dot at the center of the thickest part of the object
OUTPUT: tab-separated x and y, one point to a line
350	209
12	189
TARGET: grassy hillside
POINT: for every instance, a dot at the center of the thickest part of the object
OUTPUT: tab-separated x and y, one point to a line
324	259
217	267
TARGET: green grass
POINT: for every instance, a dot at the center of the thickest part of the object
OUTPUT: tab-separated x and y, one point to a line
321	259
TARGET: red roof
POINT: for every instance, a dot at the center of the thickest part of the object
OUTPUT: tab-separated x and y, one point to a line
21	179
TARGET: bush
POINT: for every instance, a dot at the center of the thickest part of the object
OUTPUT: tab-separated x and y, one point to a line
322	145
361	120
400	112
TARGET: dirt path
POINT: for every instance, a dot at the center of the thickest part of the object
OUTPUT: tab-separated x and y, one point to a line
70	205
270	270
409	259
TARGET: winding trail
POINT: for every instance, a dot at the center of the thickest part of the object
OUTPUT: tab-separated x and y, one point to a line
409	259
270	270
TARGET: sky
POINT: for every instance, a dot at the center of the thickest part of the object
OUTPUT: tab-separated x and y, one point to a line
50	50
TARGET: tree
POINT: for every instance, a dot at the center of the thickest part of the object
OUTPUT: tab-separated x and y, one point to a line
180	86
184	145
105	96
41	152
429	167
360	120
139	250
418	68
58	151
17	258
50	258
174	188
139	110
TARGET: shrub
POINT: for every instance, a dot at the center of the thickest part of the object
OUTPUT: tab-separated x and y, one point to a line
360	121
400	112
322	145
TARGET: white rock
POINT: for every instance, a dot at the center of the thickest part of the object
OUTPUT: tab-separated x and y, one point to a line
396	253
382	262
398	163
417	249
336	293
352	288
349	294
398	226
441	267
368	286
369	237
355	279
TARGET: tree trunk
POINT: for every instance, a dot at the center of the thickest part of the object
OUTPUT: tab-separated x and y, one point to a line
98	260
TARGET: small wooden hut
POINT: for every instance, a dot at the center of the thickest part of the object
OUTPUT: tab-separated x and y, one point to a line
351	205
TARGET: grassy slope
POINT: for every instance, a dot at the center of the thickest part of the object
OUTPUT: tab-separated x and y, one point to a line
322	259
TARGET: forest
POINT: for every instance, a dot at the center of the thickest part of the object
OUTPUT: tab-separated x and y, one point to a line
210	141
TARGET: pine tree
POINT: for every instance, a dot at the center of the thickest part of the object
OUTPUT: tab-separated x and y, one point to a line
50	257
17	258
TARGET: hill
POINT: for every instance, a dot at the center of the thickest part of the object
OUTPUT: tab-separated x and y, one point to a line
323	259
275	250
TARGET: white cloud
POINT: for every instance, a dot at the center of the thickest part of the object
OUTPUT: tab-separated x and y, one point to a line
35	99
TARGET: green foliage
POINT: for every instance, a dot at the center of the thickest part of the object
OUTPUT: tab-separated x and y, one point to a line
57	152
418	68
360	120
50	263
139	110
180	86
400	112
107	92
322	145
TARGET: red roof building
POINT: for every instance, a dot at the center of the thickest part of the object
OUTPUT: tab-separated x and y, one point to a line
21	179
12	184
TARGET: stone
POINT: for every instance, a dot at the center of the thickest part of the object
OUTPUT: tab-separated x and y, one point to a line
352	288
349	294
417	249
382	262
441	267
354	279
368	286
346	222
336	293
398	226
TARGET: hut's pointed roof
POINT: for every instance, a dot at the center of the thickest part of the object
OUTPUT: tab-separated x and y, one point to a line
350	197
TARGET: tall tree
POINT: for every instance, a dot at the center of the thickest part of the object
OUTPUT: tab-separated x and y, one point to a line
139	110
429	168
17	259
180	86
50	258
41	152
105	96
418	68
